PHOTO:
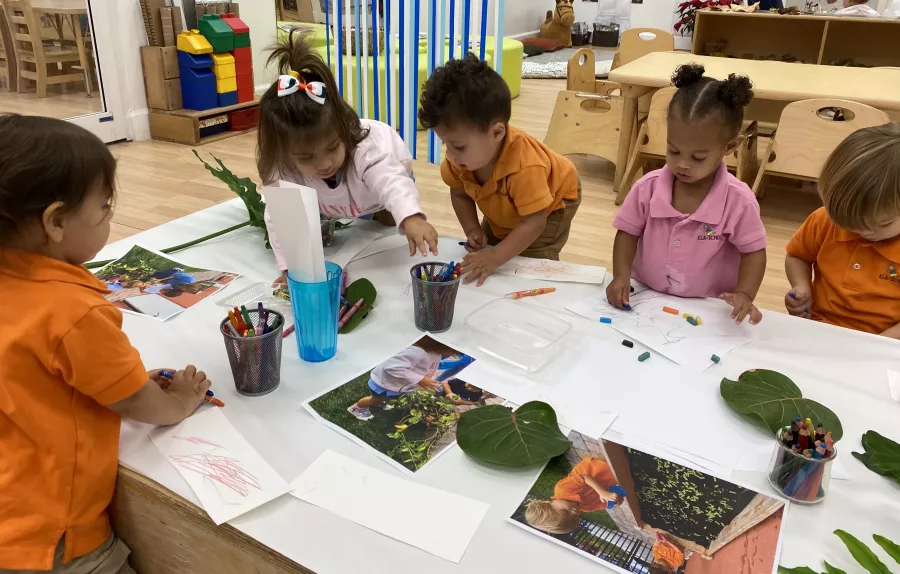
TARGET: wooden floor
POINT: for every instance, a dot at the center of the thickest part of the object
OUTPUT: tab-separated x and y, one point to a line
62	101
161	181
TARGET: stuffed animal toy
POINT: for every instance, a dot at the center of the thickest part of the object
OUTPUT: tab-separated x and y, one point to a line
558	25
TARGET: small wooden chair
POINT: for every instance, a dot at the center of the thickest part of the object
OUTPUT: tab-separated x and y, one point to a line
588	114
807	134
37	61
638	42
651	145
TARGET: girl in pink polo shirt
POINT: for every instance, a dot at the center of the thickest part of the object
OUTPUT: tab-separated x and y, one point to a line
309	135
691	228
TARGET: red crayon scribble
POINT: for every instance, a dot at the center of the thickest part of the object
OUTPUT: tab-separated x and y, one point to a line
223	469
197	440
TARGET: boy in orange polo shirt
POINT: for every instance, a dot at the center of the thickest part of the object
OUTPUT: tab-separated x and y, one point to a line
852	244
585	489
69	373
527	192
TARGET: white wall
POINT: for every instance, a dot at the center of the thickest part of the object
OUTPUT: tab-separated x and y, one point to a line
525	16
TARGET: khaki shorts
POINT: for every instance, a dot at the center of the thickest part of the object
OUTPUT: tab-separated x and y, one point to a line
110	558
555	234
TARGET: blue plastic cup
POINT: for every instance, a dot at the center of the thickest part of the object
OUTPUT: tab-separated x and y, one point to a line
315	307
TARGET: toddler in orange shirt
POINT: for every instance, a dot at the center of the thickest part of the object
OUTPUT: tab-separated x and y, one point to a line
585	489
69	372
527	192
843	261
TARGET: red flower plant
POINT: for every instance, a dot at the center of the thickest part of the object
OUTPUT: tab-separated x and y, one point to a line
688	11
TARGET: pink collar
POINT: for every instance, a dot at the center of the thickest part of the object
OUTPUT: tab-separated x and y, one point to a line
711	209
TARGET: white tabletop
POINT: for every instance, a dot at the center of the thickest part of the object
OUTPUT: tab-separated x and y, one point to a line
843	369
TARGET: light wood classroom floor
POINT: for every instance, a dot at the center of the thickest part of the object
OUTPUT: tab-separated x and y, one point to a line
160	181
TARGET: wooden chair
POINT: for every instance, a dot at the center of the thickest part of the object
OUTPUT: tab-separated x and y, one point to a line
5	64
638	42
587	115
651	145
807	134
36	60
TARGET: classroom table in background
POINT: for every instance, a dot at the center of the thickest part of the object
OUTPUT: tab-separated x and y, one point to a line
156	512
772	82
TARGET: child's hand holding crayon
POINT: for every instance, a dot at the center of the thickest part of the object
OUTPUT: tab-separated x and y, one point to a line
475	240
797	301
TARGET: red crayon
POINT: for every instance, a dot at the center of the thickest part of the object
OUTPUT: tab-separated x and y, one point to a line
804	437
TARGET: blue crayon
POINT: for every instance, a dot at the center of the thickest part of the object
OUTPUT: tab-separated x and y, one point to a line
605	320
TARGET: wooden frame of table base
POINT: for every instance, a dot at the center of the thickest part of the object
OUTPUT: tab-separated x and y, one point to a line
167	533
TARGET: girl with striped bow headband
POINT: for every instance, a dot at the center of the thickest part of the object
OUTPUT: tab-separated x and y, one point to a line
309	135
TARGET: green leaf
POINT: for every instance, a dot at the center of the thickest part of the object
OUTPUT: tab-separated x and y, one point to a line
829	569
892	549
245	188
495	434
862	554
881	456
797	570
359	289
776	400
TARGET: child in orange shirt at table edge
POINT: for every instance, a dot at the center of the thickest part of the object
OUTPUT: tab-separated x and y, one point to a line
527	192
69	372
843	262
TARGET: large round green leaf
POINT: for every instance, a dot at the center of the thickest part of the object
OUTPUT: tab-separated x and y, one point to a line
498	435
776	400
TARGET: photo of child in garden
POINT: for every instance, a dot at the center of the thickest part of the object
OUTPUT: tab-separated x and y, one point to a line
406	408
636	512
148	283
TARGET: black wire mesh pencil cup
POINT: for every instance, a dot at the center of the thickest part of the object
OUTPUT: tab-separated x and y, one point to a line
255	361
433	301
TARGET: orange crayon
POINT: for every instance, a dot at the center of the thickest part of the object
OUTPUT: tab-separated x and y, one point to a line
530	293
670	310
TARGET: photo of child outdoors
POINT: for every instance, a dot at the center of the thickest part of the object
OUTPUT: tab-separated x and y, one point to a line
148	283
406	408
636	512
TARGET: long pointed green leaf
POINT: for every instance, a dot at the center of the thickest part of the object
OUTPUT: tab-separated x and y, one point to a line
829	569
776	400
862	553
892	549
797	570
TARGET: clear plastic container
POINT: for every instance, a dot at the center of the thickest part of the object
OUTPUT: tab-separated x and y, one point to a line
517	333
797	478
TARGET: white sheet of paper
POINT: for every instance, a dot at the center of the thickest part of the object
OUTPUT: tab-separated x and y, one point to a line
224	471
155	306
347	244
893	378
383	244
671	335
294	210
390	505
756	458
547	270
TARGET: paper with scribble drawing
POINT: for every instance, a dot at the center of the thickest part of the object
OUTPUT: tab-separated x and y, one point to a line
547	270
671	335
224	471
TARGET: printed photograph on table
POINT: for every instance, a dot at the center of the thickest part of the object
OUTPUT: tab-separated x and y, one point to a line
405	408
146	282
638	513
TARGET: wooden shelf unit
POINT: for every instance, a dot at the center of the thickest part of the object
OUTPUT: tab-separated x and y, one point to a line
183	126
810	38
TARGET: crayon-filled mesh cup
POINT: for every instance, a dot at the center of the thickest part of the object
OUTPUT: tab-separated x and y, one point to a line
433	301
315	307
255	361
797	478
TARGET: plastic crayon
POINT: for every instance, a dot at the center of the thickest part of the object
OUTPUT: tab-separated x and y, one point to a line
698	319
530	293
715	358
246	316
627	307
670	310
692	321
686	315
628	344
606	320
286	332
644	356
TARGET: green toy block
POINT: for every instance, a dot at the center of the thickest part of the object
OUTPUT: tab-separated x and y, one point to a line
242	40
217	31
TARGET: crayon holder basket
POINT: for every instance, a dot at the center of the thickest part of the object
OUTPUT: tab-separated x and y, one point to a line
433	301
797	478
255	361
